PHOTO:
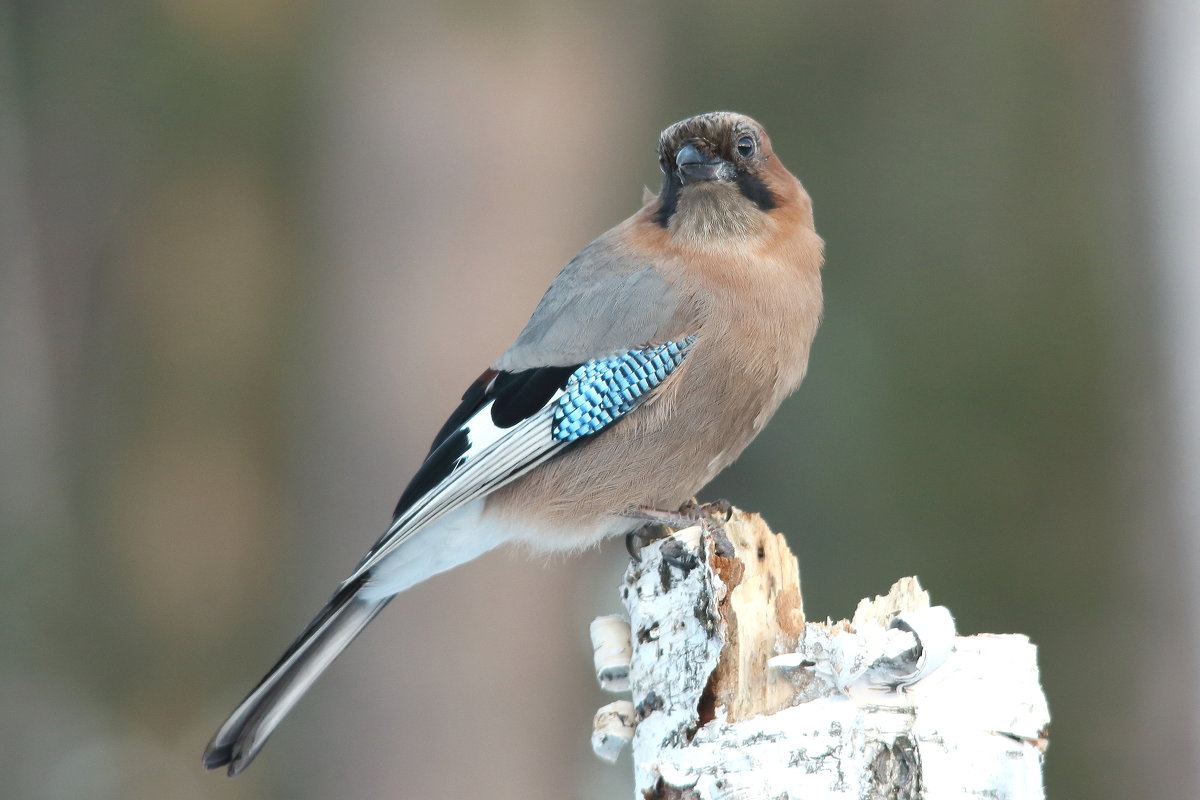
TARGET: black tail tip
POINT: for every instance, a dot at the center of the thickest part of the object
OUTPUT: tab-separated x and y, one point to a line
223	756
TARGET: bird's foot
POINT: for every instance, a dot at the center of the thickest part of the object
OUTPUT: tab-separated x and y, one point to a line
711	516
703	511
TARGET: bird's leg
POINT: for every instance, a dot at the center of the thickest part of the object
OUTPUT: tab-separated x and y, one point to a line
685	517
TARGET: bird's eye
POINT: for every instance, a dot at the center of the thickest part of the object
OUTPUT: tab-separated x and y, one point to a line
746	146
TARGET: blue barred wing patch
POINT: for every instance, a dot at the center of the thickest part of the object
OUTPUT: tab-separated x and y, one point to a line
600	392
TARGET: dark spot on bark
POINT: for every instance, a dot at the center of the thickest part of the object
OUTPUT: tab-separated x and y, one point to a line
706	709
665	791
650	703
675	554
720	541
895	772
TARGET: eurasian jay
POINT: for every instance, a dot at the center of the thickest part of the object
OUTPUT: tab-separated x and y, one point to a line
656	355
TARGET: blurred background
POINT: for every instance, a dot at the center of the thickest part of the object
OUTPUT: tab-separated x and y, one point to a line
252	253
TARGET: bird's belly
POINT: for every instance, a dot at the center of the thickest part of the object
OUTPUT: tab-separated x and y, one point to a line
641	461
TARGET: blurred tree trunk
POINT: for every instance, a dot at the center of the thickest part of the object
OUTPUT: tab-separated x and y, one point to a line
460	173
1169	730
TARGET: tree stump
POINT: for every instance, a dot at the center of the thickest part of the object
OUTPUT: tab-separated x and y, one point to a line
735	695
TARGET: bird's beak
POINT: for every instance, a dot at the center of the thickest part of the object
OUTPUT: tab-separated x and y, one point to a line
695	167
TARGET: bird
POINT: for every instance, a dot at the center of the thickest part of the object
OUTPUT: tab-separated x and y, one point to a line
654	358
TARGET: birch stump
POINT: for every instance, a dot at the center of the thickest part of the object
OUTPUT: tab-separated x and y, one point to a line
735	695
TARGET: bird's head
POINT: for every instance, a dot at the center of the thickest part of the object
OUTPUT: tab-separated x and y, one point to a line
721	179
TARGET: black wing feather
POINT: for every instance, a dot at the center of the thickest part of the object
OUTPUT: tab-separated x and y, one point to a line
520	395
517	396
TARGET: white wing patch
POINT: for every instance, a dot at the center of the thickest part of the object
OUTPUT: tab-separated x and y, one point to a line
494	457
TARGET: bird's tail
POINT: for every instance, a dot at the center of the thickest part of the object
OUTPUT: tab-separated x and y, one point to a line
245	732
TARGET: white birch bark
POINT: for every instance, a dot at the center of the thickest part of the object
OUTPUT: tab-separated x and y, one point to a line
735	696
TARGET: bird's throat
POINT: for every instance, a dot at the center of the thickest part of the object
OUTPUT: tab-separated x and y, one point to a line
708	213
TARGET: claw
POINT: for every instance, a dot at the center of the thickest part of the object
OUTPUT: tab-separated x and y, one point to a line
722	508
633	546
636	540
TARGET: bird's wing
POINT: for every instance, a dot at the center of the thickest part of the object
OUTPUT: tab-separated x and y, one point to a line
600	341
605	301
